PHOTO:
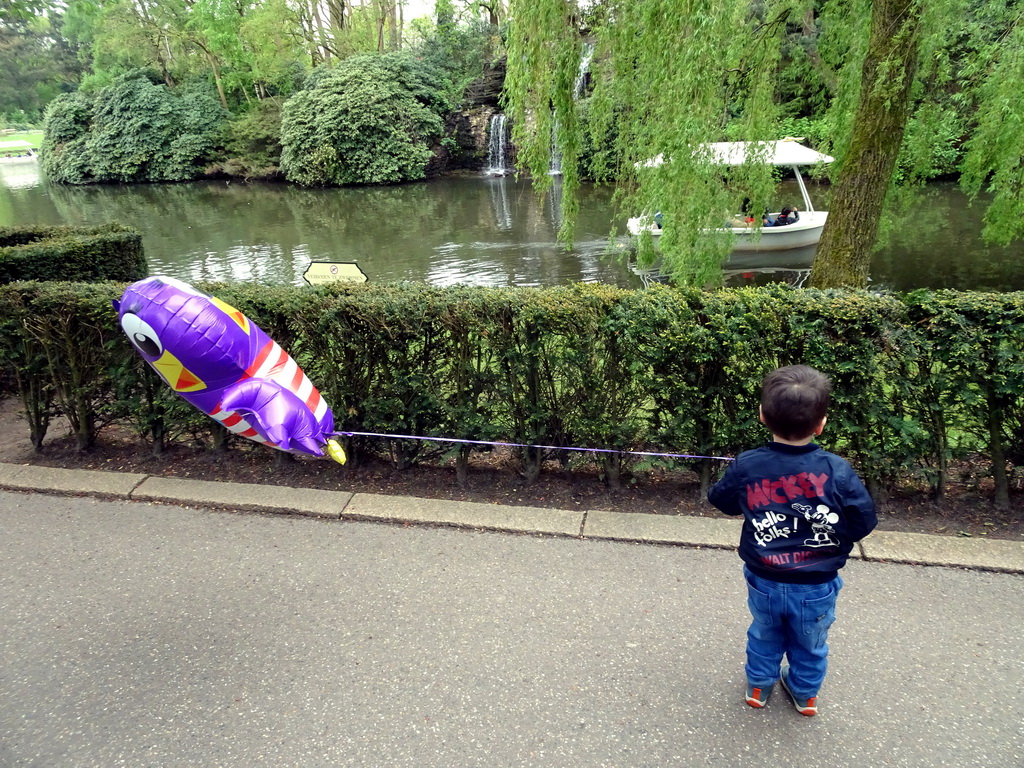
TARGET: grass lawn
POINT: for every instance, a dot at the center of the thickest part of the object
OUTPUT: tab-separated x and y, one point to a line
35	138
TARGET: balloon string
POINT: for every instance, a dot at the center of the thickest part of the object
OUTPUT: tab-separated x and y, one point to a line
529	445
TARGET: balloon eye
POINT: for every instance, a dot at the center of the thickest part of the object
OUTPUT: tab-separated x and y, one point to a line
142	335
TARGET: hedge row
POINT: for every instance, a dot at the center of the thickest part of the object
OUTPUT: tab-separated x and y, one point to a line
920	380
109	252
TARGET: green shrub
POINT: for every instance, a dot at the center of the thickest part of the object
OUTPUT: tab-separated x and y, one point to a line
129	131
370	120
918	380
85	254
253	139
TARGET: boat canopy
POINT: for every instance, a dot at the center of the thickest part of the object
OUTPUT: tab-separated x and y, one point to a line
786	152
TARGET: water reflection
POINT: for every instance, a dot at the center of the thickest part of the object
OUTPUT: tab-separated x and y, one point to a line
20	175
480	231
736	275
500	204
492	231
937	244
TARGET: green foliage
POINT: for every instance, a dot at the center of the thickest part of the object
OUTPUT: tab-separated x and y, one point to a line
931	145
63	344
801	81
995	153
67	119
652	100
36	65
276	61
253	138
131	130
458	53
975	372
87	254
765	70
918	380
371	120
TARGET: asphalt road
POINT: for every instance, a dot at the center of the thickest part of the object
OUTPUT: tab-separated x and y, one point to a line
145	635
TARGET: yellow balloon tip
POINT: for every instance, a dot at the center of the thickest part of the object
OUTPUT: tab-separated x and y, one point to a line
335	451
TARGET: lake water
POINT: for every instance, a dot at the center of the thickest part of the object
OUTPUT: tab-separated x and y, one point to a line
492	231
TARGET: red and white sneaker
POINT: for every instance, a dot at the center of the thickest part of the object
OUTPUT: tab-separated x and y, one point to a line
808	707
757	696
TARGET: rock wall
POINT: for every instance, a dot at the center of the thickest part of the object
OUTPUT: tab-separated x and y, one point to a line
467	132
486	90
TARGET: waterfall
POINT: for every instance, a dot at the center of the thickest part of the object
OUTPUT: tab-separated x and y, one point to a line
584	70
555	169
497	146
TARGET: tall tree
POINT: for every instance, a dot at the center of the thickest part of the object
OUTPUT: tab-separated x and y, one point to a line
995	151
865	173
20	11
36	65
668	76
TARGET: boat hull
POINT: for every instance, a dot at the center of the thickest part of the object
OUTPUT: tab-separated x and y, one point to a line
806	232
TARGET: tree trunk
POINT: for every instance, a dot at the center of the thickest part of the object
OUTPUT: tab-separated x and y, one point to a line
221	438
338	13
35	400
613	470
216	77
462	467
1000	478
705	477
159	432
844	253
322	49
942	440
531	464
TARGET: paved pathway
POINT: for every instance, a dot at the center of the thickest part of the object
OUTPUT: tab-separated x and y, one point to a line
143	634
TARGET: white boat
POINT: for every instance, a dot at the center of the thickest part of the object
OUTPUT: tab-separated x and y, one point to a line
17	152
789	152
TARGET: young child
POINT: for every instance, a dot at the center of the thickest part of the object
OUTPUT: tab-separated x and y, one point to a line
803	509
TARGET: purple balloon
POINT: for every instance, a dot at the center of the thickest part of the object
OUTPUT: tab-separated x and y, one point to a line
225	365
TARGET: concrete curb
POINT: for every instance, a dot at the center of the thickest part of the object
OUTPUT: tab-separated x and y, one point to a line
258	498
989	554
721	533
26	477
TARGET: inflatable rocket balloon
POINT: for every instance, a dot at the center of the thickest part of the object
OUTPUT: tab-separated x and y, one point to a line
227	367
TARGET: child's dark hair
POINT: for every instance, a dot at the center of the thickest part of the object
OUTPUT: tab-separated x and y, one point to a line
794	400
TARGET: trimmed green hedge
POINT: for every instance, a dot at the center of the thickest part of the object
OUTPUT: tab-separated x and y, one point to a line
920	380
87	254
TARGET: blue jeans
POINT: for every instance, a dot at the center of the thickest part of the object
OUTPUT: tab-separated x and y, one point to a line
790	620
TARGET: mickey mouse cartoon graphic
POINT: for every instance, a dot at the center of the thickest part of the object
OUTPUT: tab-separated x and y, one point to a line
821	520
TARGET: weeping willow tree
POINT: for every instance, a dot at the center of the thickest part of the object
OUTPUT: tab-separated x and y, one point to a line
995	151
670	75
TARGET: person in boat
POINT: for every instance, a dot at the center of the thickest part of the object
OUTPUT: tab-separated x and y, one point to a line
748	216
788	215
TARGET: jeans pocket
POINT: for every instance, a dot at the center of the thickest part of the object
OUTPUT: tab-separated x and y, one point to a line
817	615
759	603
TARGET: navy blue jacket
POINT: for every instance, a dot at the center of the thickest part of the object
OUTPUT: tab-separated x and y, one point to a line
803	509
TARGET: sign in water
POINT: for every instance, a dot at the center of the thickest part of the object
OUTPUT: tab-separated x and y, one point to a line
322	272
